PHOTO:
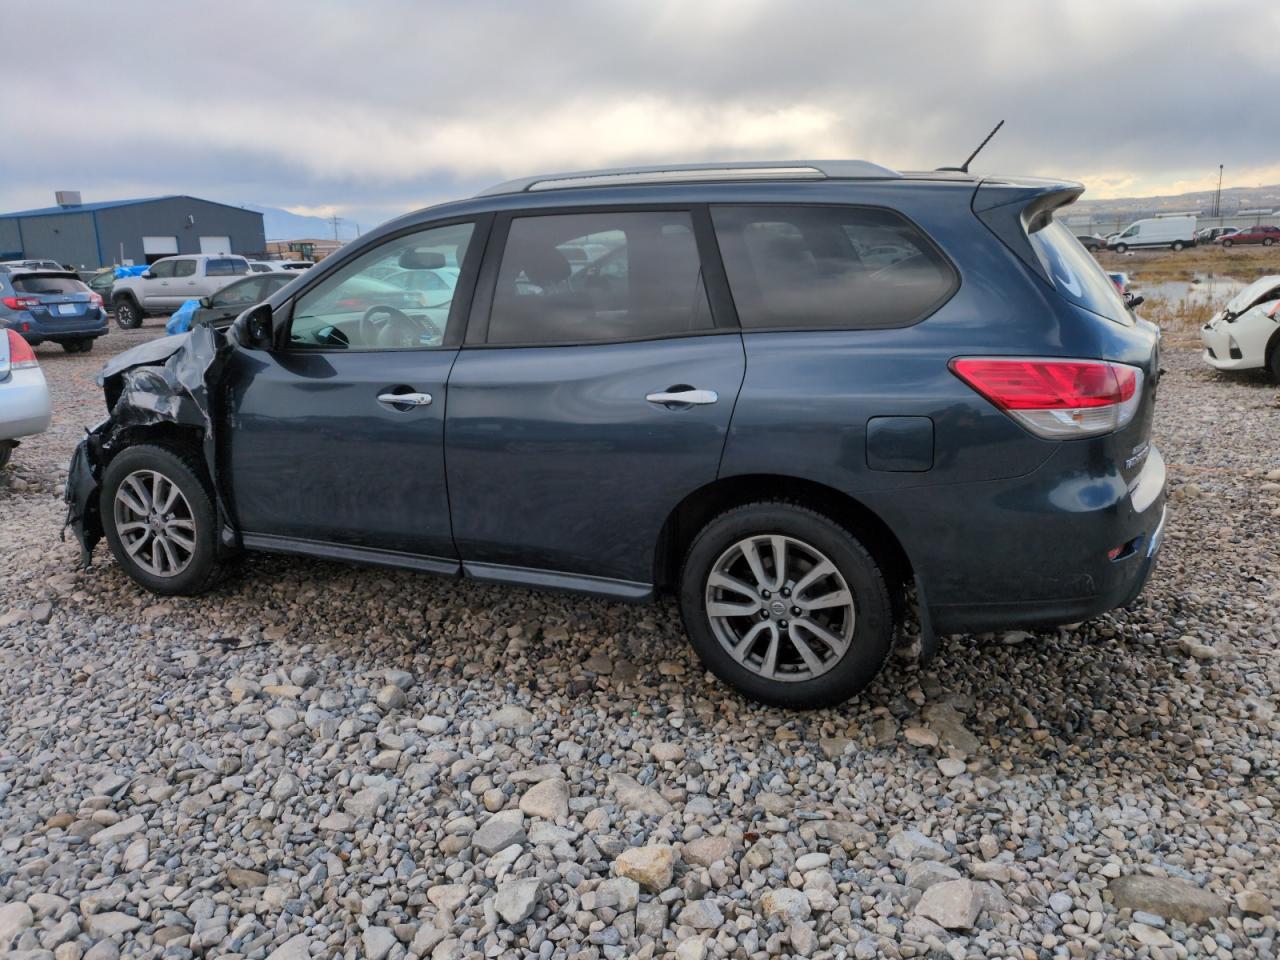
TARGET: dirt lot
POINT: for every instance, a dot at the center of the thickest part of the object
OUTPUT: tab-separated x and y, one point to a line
308	761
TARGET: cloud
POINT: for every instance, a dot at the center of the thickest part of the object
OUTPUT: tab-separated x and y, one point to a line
375	108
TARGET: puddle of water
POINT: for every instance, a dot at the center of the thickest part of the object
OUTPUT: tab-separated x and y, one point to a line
1213	289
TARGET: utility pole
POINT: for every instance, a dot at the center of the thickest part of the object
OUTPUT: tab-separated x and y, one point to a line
1217	197
335	220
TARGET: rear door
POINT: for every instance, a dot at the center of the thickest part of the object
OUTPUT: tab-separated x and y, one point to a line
593	395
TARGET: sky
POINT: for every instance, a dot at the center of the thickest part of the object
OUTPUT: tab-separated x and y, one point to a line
367	110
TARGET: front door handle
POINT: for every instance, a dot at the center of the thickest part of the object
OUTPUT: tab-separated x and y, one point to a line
405	399
683	395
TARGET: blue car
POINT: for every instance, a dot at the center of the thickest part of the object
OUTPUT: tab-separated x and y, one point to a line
796	397
51	305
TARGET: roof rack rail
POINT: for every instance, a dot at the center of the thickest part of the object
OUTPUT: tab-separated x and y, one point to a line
697	173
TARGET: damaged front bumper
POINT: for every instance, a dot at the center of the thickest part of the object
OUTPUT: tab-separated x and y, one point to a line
165	385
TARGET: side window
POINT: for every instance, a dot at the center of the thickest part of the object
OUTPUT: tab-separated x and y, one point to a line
358	308
226	268
163	269
184	268
851	268
240	293
592	277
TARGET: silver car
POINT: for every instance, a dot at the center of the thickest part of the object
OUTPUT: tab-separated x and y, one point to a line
24	396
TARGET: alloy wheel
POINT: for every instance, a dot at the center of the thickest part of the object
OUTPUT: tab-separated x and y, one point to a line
155	523
780	608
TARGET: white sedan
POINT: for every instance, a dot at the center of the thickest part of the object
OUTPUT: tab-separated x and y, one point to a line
24	396
1245	334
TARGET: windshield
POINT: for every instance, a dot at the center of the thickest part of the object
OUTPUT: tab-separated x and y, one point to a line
1075	273
1254	292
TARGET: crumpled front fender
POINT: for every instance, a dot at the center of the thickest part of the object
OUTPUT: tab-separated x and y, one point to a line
165	381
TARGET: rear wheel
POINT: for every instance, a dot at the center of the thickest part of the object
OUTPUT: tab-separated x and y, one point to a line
1178	245
1267	241
78	346
158	516
1228	243
785	605
128	316
1121	247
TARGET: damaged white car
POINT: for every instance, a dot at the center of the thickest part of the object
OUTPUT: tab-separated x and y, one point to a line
1245	334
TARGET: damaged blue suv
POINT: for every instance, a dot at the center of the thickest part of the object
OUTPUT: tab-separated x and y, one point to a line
793	395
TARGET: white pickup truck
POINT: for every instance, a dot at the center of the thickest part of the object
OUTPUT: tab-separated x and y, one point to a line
169	283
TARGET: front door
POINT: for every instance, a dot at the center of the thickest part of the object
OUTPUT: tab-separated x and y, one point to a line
596	397
154	289
336	438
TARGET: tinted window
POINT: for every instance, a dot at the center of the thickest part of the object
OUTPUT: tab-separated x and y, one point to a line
829	267
599	276
184	268
1076	275
356	308
164	268
241	293
225	268
37	283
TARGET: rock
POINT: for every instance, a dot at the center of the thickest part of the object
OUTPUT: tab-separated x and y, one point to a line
433	725
102	925
701	915
517	899
281	718
113	834
365	803
598	663
499	832
1255	902
812	861
426	939
695	948
42	612
953	904
1149	936
103	950
704	851
295	948
623	891
804	940
914	845
651	918
650	866
1167	897
303	676
634	796
337	821
667	752
246	879
449	896
1061	903
920	736
14	918
1200	651
390	698
512	717
786	903
950	767
136	855
923	874
377	942
548	800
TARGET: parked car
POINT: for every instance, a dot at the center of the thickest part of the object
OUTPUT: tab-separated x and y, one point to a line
1245	334
740	413
32	265
24	396
1210	234
1092	242
232	300
55	306
102	282
277	266
170	282
1265	235
1174	233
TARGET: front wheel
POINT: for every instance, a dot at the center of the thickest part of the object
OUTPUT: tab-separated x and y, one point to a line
128	315
1228	243
1121	247
786	606
1267	241
158	516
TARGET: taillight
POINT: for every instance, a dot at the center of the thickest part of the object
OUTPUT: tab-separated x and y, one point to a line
95	299
1057	399
20	353
21	303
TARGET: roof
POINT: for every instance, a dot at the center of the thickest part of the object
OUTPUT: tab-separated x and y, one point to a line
698	172
109	204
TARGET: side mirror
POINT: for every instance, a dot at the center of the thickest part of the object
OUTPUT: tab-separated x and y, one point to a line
253	329
206	302
1133	302
148	275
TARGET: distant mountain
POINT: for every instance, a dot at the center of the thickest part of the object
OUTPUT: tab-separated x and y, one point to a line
1201	201
283	225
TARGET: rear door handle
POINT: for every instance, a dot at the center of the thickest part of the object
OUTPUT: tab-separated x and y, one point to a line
405	399
683	395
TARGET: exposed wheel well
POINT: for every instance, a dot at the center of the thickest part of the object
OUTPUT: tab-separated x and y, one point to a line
693	513
1269	355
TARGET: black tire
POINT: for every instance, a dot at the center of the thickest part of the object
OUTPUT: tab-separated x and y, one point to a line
872	623
184	470
78	346
1273	357
1267	241
1178	246
1121	247
6	451
128	314
1228	243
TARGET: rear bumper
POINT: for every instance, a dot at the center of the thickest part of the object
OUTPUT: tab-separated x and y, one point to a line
36	330
24	404
1034	551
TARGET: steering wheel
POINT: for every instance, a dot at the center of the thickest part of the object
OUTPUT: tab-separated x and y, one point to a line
396	329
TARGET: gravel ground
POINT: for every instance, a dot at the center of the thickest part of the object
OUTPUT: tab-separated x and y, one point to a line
318	760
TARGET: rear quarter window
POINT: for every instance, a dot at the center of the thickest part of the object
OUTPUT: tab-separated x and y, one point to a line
226	268
1075	274
823	267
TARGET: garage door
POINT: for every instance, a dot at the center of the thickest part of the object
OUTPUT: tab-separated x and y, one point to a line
160	246
215	244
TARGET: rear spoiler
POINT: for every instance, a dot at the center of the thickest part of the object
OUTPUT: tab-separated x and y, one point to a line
1015	209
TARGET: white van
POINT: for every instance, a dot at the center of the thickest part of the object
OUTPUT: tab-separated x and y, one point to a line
1172	232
